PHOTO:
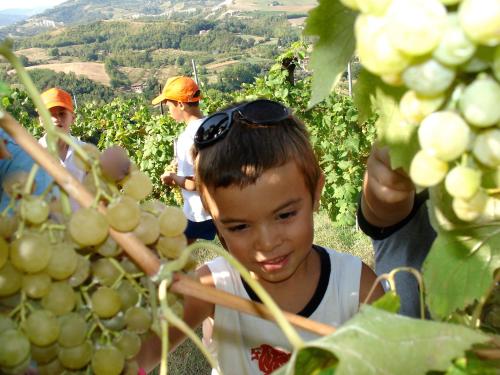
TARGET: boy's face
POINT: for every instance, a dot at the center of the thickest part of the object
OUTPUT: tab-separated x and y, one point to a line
62	118
267	226
174	109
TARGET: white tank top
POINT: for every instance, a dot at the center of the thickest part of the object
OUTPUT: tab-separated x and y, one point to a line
247	345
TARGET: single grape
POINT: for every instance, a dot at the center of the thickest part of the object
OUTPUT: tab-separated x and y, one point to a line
123	214
61	298
8	226
153	206
91	185
455	47
52	368
81	273
172	221
128	295
20	368
76	357
4	251
63	261
73	330
486	147
36	285
428	77
6	323
108	360
148	229
480	20
44	354
108	248
10	280
129	344
129	266
88	227
479	102
31	253
416	26
137	185
34	209
444	135
414	107
427	170
374	48
105	272
171	247
480	61
115	164
15	348
106	302
42	327
471	209
116	323
138	319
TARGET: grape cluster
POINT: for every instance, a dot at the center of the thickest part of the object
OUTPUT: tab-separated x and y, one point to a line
446	53
70	300
176	190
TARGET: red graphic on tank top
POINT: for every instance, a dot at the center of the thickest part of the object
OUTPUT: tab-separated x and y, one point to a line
269	358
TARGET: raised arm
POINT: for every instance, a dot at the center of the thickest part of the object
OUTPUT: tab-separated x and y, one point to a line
388	195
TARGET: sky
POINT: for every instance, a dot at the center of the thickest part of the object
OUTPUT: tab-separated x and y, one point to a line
29	4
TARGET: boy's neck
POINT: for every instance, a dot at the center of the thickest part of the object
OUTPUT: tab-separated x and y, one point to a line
192	115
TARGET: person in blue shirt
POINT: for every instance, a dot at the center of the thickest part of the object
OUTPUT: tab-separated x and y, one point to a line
14	159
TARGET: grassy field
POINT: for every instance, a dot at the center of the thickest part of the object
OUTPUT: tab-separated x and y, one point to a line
187	360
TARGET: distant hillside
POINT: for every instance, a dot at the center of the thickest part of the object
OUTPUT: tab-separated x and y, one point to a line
12	16
77	12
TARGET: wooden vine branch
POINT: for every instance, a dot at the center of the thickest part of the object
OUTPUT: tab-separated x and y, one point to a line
134	248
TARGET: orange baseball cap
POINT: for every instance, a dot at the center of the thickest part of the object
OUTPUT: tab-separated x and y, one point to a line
56	97
181	89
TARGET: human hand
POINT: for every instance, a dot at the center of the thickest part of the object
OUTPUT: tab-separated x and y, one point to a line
384	183
168	178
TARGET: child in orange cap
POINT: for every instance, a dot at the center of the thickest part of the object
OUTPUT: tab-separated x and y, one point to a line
60	106
182	96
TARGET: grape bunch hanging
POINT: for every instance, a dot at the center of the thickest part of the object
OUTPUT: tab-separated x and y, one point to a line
70	300
446	54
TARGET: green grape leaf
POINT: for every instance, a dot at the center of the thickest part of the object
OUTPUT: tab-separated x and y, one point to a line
459	268
390	301
364	93
379	342
333	23
392	130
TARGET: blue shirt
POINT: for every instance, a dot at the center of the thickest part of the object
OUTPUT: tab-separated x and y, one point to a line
20	161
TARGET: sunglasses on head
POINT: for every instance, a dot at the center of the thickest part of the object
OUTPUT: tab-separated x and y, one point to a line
258	112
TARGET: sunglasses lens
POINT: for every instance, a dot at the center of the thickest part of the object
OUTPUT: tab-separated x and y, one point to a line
264	111
212	128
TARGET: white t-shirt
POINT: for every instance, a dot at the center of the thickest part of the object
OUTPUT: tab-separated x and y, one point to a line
247	345
69	164
193	208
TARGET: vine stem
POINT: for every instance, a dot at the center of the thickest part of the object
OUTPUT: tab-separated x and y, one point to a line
182	326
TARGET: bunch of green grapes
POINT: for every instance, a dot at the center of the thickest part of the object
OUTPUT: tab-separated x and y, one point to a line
446	53
176	190
70	300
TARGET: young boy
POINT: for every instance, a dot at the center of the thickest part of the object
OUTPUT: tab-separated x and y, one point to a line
259	179
60	106
181	96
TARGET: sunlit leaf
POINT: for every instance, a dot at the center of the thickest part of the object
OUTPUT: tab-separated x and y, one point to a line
334	25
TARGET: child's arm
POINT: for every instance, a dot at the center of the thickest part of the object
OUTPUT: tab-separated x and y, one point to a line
388	195
368	278
195	311
172	179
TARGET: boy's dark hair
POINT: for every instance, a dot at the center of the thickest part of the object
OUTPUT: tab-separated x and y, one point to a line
248	150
